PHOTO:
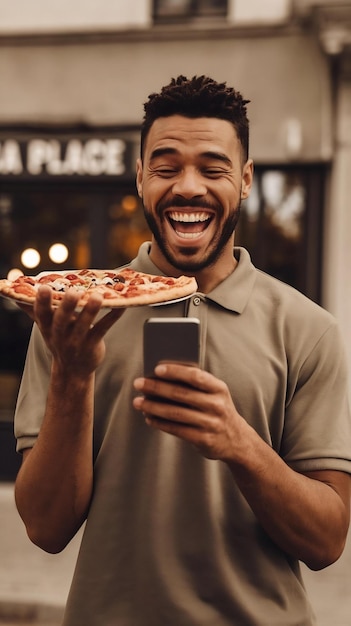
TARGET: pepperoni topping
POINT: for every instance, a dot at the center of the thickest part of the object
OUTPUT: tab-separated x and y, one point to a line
25	280
165	280
108	294
137	281
24	288
49	278
73	277
118	287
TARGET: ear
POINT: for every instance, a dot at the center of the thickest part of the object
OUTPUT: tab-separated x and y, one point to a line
139	177
247	177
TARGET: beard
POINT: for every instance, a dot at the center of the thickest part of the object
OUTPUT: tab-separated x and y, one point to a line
217	245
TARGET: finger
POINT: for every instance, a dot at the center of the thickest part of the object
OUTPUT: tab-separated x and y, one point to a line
171	392
166	410
178	429
189	375
88	314
101	327
77	321
43	299
204	441
56	322
43	310
68	305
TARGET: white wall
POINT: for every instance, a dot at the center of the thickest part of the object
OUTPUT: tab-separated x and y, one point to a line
55	16
106	83
243	12
337	260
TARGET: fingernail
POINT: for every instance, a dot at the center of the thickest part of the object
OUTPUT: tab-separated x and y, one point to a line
137	402
138	383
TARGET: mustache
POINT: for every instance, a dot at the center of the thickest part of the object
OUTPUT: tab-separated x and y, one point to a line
195	203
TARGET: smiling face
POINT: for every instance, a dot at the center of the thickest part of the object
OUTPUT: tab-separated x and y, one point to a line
192	180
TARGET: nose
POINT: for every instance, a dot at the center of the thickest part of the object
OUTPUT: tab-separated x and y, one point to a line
189	183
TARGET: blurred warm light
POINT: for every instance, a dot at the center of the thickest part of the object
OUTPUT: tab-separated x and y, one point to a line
30	257
82	254
129	203
14	273
58	253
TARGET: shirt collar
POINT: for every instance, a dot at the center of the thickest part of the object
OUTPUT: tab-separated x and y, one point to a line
233	293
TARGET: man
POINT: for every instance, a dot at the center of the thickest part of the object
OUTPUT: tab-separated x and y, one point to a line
199	505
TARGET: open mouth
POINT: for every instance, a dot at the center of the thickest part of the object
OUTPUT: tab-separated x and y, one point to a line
189	225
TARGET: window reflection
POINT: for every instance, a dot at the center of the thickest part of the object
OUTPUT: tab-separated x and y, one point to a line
284	203
88	228
93	227
252	204
127	229
166	10
274	225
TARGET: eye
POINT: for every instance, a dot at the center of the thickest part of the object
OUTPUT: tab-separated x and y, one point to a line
166	172
213	172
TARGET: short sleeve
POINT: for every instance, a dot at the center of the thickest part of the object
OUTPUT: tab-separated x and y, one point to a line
32	396
317	431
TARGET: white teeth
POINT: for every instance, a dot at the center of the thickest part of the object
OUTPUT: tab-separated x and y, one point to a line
188	235
177	216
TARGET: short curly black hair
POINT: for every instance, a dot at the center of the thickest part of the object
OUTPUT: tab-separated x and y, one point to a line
199	96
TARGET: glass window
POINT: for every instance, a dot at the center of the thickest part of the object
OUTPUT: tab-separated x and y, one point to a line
81	218
173	10
98	226
281	225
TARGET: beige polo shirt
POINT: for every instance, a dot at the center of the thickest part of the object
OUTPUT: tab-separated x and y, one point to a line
170	541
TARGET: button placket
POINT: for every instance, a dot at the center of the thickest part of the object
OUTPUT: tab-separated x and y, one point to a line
195	310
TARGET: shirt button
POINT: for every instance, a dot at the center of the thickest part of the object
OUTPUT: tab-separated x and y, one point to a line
197	301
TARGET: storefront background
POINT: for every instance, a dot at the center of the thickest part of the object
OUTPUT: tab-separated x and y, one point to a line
85	79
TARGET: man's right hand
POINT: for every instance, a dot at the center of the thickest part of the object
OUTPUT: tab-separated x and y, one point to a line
75	341
61	461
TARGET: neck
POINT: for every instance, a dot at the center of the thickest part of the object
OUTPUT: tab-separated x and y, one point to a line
207	278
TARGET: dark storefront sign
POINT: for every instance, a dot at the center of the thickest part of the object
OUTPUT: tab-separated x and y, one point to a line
53	156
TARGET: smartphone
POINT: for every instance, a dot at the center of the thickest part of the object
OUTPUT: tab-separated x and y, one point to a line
171	339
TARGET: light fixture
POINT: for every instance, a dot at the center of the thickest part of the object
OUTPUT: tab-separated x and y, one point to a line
14	273
30	258
58	253
129	203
